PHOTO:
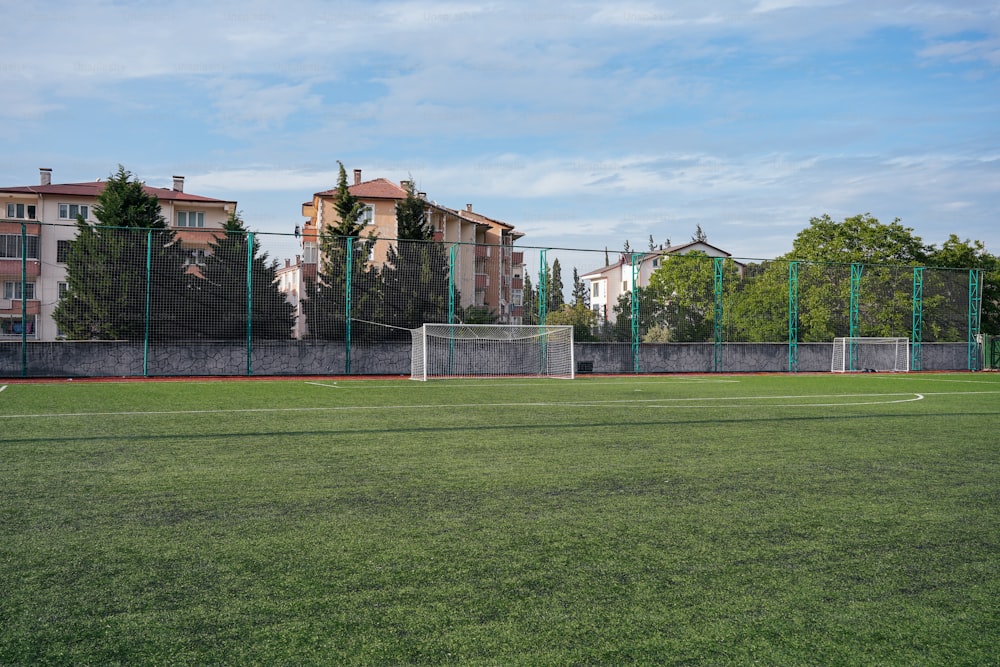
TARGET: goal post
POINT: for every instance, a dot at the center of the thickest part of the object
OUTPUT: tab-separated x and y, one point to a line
491	351
871	354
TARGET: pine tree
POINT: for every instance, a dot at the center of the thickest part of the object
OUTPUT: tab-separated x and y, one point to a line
415	274
581	295
529	302
555	289
111	263
325	302
222	291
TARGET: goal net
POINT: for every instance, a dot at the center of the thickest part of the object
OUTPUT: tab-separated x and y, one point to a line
860	354
492	350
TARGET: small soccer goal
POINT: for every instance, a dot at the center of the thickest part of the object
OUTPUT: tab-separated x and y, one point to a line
491	351
856	354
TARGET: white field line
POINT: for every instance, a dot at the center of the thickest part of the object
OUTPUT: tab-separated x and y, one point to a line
900	377
748	401
323	384
3	387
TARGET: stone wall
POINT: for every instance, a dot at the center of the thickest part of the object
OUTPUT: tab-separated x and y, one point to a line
114	359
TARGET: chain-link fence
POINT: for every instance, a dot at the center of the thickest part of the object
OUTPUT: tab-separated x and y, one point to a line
95	301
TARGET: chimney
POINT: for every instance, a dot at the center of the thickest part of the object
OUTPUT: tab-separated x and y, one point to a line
406	185
468	207
178	184
357	177
288	262
45	176
422	195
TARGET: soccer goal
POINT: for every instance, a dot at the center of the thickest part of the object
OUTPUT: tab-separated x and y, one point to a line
492	350
861	354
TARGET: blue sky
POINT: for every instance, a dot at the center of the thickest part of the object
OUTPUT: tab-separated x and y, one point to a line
584	124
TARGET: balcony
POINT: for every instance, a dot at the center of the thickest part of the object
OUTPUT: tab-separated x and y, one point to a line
483	251
12	267
517	258
517	282
482	281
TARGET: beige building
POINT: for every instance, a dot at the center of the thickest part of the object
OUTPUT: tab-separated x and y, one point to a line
489	272
46	214
610	282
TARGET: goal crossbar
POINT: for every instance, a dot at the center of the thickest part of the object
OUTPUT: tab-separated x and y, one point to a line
492	350
872	354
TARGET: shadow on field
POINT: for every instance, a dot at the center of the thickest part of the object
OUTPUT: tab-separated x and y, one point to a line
713	421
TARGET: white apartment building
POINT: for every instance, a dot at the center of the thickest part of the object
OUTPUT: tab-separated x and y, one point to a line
610	282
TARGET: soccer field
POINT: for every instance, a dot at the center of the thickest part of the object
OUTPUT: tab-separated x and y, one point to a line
723	519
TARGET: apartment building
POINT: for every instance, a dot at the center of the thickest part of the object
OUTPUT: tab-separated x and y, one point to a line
37	223
610	282
489	271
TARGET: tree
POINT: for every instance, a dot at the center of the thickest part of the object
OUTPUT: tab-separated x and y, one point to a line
221	291
861	238
529	302
411	217
580	292
555	289
125	273
699	236
958	254
350	209
684	289
650	313
415	274
579	316
825	284
325	302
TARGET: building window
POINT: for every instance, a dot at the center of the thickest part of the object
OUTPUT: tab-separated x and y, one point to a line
10	246
14	326
368	215
72	211
310	253
197	256
62	250
12	290
190	218
22	211
597	290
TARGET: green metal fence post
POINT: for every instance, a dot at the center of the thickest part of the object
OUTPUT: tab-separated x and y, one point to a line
857	270
348	274
249	285
718	263
149	303
452	252
975	316
24	301
636	268
543	287
917	334
452	255
793	317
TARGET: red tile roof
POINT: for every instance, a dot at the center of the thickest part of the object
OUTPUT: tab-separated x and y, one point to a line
94	188
380	188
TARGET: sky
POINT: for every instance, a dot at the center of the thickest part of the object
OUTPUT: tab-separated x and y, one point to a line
583	124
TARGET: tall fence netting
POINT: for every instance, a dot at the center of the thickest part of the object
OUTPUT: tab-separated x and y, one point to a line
110	301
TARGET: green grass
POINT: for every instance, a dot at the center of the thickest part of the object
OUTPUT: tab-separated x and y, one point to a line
777	520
